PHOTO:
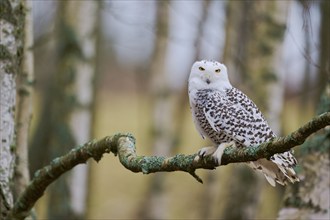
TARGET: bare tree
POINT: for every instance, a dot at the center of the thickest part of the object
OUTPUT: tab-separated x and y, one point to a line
66	116
24	105
324	55
11	46
154	205
253	51
310	198
74	85
85	25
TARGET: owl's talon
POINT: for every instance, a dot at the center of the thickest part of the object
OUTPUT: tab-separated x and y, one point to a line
206	151
219	151
215	152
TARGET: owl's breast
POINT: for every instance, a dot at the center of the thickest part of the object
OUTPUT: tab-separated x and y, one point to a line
199	105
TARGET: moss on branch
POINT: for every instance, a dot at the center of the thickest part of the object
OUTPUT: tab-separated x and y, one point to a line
123	145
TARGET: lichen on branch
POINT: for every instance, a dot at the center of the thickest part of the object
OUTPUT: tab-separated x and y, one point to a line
123	145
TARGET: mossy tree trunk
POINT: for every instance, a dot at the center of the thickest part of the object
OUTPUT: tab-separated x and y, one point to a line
66	115
167	106
207	194
324	54
237	39
73	93
309	199
85	25
12	20
255	31
24	105
154	205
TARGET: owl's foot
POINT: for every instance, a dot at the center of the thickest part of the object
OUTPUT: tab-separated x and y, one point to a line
215	152
217	155
206	151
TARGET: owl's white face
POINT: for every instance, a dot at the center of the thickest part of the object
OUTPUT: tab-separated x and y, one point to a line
208	75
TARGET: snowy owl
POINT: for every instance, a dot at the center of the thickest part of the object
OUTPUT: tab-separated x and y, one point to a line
228	117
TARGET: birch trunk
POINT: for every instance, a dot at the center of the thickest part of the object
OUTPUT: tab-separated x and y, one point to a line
207	195
237	39
309	199
167	108
74	91
155	206
11	47
253	52
24	105
85	26
324	54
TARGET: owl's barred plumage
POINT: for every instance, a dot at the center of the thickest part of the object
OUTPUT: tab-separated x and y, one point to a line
225	114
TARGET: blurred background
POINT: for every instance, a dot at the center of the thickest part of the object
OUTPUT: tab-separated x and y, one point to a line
103	67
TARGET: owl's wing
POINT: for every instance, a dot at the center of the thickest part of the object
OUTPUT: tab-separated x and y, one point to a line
238	117
197	125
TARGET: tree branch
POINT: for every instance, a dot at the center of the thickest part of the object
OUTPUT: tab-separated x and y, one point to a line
124	145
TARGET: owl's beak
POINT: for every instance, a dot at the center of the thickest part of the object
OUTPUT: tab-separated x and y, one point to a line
208	81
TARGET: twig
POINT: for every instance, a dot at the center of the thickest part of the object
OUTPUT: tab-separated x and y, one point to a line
123	145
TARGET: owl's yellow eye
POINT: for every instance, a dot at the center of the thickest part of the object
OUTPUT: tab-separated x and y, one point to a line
217	70
201	68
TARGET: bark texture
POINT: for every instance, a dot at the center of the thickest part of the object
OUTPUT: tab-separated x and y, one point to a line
24	105
310	198
154	205
66	118
11	47
73	92
84	24
254	35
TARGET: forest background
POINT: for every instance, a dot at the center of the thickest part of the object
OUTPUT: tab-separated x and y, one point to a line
102	67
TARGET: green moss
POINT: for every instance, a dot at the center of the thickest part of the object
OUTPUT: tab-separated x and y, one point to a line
268	76
4	53
277	31
10	69
151	163
6	12
15	16
264	47
23	92
318	143
292	201
139	158
37	174
297	202
181	160
324	105
321	141
69	44
56	161
13	148
274	29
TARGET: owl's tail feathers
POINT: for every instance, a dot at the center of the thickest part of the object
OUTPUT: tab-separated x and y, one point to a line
278	169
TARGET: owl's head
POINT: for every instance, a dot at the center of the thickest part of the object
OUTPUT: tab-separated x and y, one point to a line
208	75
